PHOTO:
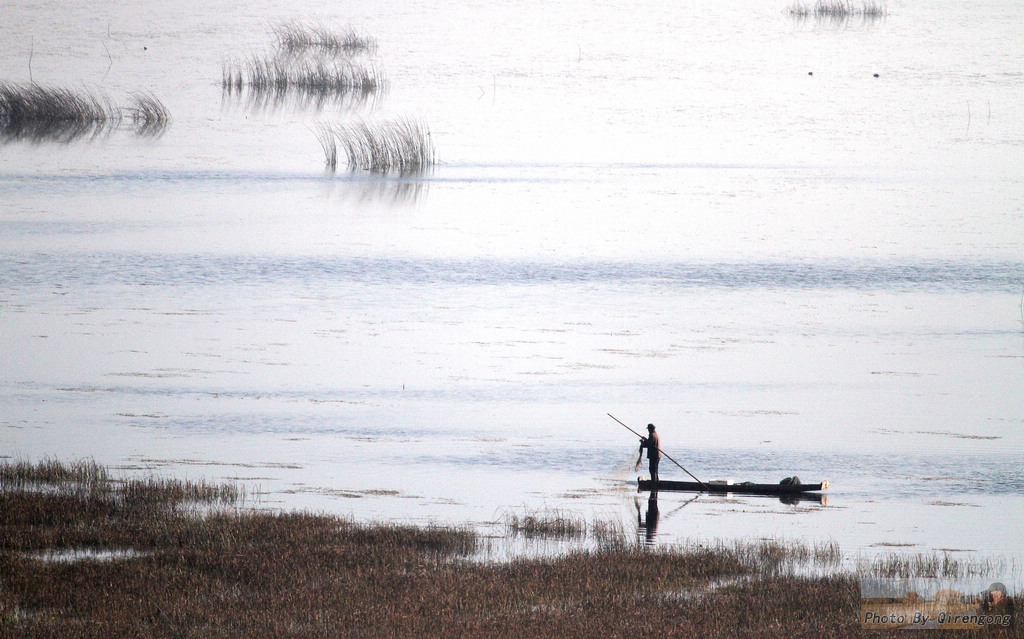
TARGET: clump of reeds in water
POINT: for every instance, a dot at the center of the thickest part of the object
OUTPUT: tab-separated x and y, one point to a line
147	114
296	37
56	114
23	475
560	525
838	10
325	135
403	146
312	65
38	113
270	81
549	524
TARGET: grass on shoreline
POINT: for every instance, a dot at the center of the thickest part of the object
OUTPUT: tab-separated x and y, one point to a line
225	572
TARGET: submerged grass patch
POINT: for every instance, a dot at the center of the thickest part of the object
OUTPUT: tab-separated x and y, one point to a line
297	37
178	572
39	113
838	10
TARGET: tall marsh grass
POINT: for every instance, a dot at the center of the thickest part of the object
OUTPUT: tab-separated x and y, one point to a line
403	146
38	113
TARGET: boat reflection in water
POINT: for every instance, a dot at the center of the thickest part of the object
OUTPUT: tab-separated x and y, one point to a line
647	522
817	498
788	493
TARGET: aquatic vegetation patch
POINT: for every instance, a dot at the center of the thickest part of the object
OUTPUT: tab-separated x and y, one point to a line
403	146
146	114
297	37
272	81
565	525
312	66
21	474
549	523
838	10
39	113
325	135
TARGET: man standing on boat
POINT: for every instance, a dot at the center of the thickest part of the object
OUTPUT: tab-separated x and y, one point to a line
653	445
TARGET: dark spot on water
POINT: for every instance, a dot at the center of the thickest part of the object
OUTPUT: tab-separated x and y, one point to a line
876	75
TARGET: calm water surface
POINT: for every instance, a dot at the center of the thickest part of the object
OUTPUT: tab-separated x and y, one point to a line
716	218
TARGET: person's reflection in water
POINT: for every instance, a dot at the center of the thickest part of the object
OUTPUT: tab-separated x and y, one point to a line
649	525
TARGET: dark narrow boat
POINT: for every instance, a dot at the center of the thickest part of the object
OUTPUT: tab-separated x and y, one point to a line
746	487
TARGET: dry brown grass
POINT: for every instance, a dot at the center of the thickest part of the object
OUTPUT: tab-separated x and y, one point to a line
230	573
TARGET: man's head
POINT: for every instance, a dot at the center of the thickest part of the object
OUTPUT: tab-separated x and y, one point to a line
650	428
997	591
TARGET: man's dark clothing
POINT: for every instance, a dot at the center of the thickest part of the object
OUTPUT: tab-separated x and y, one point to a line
653	445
